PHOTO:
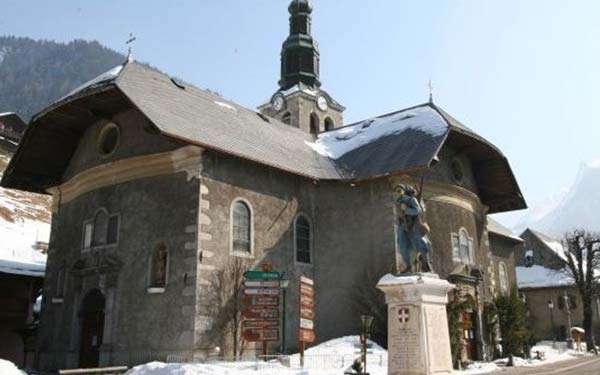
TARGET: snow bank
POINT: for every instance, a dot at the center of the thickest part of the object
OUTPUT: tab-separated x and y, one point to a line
539	277
9	368
334	144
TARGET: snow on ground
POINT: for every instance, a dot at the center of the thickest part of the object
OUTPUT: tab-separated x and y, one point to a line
338	348
9	368
334	144
538	276
24	220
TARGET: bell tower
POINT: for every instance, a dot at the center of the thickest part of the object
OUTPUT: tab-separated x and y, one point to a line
300	101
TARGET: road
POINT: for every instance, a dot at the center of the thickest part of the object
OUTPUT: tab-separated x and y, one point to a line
580	366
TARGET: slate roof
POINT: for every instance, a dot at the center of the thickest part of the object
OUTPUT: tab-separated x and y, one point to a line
195	116
496	228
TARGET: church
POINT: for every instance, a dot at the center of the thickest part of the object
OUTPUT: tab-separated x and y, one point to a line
158	186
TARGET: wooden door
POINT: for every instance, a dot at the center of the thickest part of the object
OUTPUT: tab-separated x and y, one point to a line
92	328
469	336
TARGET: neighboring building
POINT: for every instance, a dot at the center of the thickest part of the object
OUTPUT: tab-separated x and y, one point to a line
21	277
158	185
543	282
11	129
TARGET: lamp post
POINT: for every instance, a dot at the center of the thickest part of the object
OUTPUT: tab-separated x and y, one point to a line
551	307
568	308
283	284
366	325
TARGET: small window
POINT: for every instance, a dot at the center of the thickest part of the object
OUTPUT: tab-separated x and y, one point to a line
287	118
112	234
465	247
503	274
60	283
457	171
241	228
561	302
302	234
314	123
100	228
455	247
88	228
329	125
572	302
159	264
109	138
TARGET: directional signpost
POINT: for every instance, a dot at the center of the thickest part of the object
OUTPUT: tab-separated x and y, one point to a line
307	314
260	316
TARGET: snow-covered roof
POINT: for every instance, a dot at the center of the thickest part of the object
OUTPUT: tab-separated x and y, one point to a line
26	262
552	244
495	227
404	141
541	277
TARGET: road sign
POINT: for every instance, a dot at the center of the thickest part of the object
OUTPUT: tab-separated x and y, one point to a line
307	335
262	275
261	300
261	291
261	284
261	312
260	334
265	323
306	323
306	313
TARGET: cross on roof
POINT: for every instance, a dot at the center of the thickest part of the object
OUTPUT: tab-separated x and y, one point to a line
430	86
129	42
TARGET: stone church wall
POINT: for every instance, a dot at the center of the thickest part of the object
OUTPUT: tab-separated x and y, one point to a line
157	208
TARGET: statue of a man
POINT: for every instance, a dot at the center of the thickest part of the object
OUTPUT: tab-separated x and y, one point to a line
411	232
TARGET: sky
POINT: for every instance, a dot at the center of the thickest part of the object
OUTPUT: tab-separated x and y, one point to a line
523	74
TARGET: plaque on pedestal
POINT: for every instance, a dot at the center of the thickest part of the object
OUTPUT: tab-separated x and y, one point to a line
418	336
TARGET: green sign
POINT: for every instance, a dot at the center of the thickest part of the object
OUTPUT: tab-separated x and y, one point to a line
264	275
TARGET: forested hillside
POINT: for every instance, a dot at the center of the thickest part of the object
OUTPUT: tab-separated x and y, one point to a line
34	73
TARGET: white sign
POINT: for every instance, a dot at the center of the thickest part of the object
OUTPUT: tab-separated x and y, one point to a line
262	291
261	283
306	323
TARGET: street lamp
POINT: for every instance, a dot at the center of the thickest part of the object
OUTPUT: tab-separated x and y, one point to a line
551	307
568	308
366	326
283	284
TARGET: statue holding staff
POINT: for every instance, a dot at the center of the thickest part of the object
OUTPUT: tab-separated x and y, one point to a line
411	232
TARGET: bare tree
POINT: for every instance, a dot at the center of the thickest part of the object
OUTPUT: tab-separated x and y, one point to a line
226	301
582	260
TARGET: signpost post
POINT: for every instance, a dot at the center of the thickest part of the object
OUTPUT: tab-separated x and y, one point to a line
307	314
260	316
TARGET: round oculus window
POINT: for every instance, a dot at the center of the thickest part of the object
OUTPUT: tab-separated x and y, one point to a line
109	139
457	170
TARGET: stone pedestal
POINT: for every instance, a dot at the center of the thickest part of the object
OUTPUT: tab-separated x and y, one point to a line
418	337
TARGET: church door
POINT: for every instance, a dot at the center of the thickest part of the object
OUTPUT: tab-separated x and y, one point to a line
92	329
468	321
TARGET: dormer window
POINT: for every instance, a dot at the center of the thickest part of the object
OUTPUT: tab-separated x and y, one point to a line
109	139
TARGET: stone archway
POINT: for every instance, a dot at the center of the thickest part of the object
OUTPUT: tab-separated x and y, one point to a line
92	328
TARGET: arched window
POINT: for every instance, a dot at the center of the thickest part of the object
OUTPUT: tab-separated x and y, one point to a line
241	228
302	239
286	118
159	266
329	125
100	228
314	123
503	275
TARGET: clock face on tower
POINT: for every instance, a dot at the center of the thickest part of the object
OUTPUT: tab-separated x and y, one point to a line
278	102
322	103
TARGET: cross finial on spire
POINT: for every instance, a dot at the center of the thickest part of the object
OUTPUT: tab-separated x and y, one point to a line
430	86
129	42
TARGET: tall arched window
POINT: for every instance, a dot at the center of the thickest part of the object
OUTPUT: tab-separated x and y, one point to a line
329	125
302	239
241	228
159	264
314	123
100	228
503	275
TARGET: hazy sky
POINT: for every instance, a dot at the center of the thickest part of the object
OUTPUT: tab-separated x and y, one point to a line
524	74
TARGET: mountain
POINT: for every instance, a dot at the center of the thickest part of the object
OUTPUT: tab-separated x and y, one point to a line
35	73
579	207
